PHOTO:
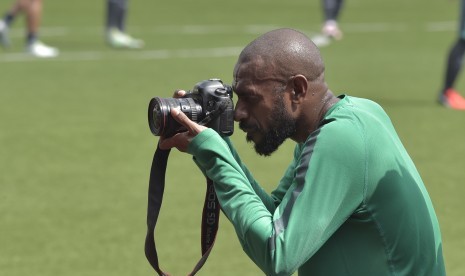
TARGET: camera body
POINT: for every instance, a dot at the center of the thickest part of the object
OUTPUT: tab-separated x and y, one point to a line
209	103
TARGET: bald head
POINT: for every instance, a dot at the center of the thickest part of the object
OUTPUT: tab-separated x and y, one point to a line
280	88
283	53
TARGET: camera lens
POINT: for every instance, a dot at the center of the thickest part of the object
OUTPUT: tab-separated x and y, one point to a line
157	115
160	121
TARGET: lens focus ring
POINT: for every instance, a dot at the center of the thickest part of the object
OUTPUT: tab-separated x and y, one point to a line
190	109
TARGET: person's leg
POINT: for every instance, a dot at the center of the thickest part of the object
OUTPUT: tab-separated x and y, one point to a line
113	11
455	58
115	25
123	4
116	14
33	18
454	64
33	11
8	18
18	7
448	96
4	36
331	10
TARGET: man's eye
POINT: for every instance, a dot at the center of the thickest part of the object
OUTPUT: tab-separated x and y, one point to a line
251	99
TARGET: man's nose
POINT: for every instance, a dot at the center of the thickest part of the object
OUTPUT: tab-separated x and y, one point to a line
239	112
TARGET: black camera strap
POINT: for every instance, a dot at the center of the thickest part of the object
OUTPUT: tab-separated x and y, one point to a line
210	215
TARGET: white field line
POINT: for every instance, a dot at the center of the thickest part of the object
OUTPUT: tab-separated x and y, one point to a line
442	26
375	27
349	27
134	55
155	30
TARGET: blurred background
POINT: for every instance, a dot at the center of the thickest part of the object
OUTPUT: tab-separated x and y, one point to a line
76	150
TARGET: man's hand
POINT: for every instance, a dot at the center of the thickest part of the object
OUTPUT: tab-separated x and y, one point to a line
181	140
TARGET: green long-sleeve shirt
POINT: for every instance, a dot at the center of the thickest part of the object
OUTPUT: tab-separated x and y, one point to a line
350	203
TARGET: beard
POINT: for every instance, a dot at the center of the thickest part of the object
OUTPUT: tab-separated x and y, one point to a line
282	127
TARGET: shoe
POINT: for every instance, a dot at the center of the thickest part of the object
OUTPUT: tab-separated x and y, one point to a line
321	40
39	49
329	33
331	30
452	99
4	38
118	39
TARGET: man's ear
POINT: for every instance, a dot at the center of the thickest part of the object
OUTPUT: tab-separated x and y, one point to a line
300	84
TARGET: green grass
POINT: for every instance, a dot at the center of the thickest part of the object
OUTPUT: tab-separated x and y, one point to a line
76	150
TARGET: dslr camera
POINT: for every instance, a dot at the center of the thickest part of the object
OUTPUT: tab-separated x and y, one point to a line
209	103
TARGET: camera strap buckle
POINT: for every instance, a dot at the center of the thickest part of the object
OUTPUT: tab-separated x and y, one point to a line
213	114
210	214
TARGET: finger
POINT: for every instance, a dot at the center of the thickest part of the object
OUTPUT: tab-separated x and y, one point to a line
184	120
179	93
166	144
179	141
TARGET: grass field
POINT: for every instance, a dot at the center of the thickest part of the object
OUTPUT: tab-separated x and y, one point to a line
75	148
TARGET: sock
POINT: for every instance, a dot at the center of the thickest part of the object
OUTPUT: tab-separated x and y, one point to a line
8	19
31	38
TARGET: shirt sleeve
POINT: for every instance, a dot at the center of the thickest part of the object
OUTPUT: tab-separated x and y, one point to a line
324	187
269	201
237	198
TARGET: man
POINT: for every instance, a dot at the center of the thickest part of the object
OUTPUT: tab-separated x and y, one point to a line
350	203
115	26
448	96
33	11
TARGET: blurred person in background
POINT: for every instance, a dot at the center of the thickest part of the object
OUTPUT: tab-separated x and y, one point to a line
330	30
33	12
115	26
448	96
351	202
